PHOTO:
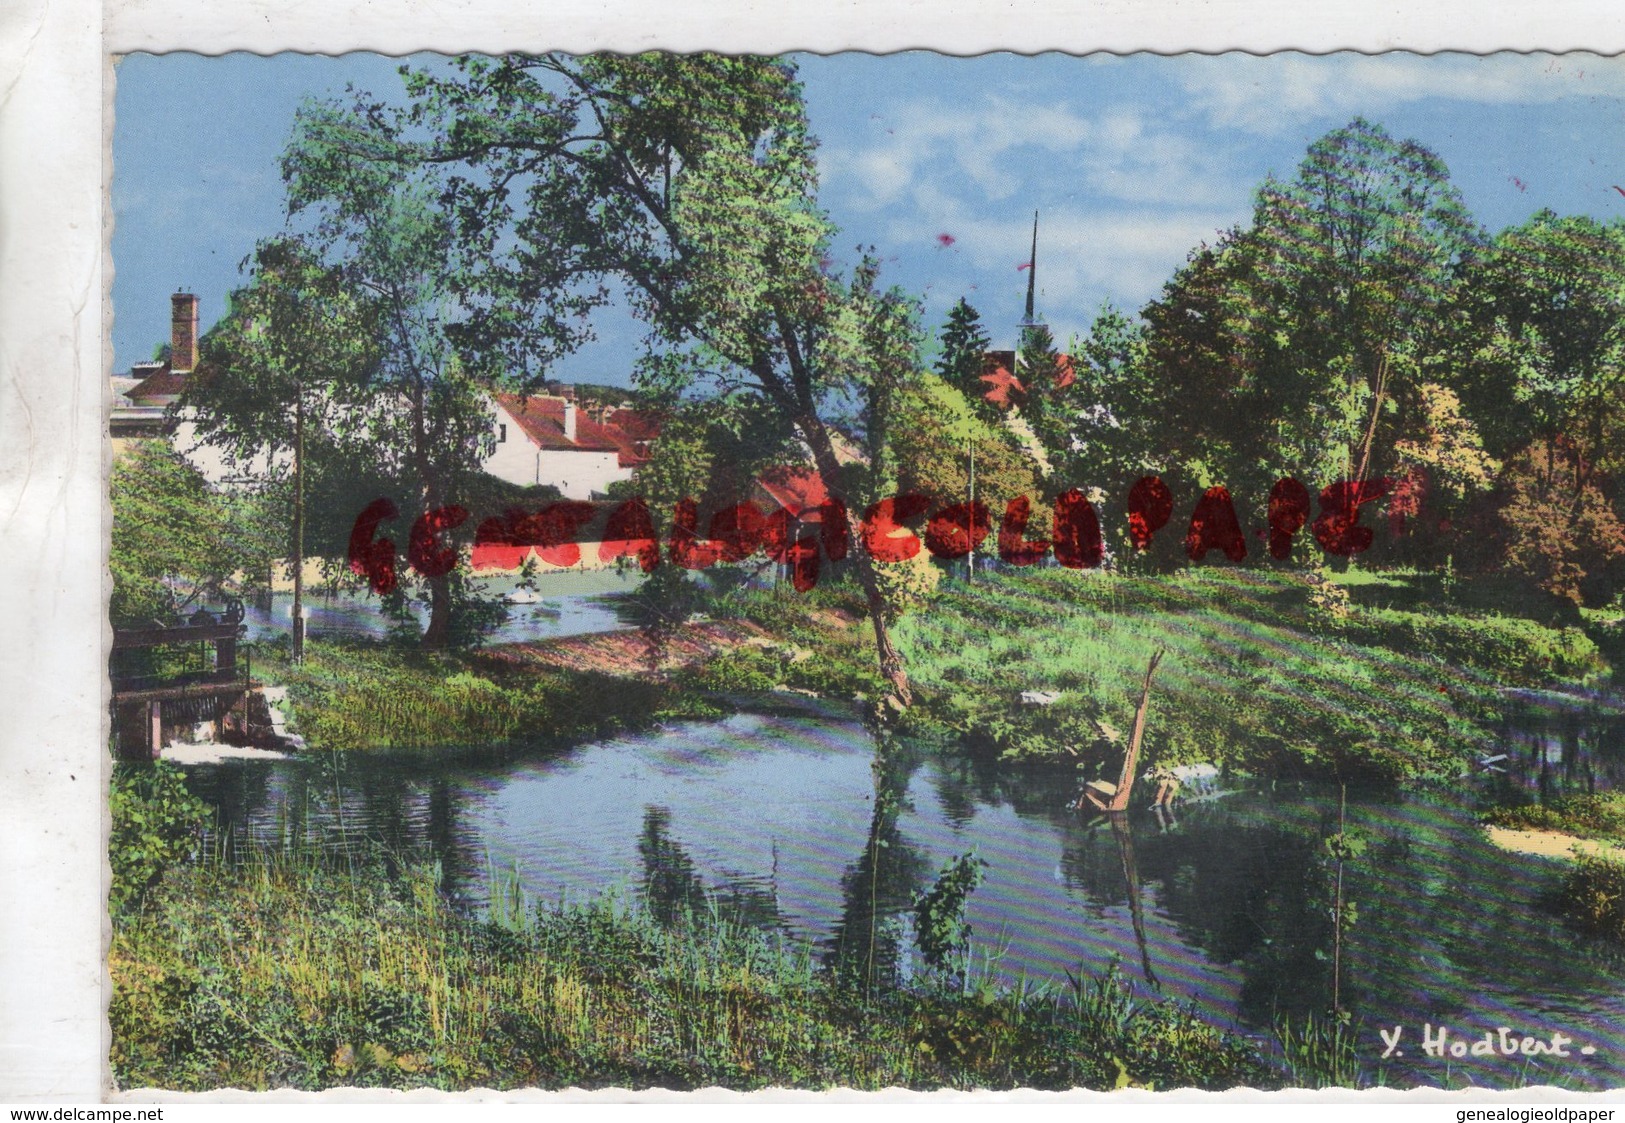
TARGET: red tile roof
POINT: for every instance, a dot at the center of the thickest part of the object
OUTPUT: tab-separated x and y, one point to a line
1065	375
1001	385
635	423
542	420
797	490
165	383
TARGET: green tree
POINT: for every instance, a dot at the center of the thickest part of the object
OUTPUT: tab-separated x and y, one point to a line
281	375
690	179
1555	532
172	541
1039	367
1293	346
712	450
1357	255
1110	438
1541	349
963	342
939	440
386	223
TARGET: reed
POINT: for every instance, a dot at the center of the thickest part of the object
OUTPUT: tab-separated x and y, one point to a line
1320	1052
278	968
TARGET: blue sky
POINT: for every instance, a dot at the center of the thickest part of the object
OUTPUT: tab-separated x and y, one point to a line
1132	162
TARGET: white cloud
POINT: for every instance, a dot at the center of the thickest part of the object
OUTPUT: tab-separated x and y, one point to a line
1085	257
995	149
1270	93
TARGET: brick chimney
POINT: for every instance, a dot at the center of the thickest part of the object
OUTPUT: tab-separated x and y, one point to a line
182	332
569	420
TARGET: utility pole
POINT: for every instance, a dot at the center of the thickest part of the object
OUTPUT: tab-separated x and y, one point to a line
970	515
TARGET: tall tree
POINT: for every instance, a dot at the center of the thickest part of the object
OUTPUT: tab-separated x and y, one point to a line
385	223
281	375
1046	377
1110	439
963	342
1357	254
171	541
1541	350
1294	346
689	178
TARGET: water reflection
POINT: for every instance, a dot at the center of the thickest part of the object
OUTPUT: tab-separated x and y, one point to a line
1554	747
573	603
805	825
867	944
1124	835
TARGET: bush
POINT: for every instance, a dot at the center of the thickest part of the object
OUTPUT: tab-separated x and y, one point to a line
907	585
940	927
1511	649
156	822
1600	815
1592	896
1546	486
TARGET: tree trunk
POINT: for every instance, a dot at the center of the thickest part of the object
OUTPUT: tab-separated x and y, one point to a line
891	663
1131	759
299	528
438	633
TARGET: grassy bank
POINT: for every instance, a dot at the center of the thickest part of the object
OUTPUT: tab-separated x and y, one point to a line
291	970
1591	892
1600	815
361	695
1270	672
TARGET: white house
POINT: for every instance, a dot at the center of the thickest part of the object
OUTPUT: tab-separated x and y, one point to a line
550	440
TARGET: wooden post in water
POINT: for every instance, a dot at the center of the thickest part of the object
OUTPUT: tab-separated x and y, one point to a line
155	730
1125	780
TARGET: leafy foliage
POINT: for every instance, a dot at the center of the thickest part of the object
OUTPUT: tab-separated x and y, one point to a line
1592	896
1540	336
156	823
1592	815
173	539
1557	527
936	437
963	342
907	586
940	927
383	219
691	179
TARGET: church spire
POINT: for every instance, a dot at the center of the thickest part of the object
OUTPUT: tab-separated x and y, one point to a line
1032	275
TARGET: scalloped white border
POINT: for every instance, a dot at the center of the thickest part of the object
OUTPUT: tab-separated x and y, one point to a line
55	277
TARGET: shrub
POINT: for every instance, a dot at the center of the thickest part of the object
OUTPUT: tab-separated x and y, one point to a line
1547	486
940	927
1599	815
907	585
1592	896
1512	649
156	822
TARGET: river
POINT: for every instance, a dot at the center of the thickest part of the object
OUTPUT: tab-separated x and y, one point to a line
572	602
1224	905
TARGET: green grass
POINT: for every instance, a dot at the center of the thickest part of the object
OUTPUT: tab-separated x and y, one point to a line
1255	676
361	695
1320	1052
1600	815
293	970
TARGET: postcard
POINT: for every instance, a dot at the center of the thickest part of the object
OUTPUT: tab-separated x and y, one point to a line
696	570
